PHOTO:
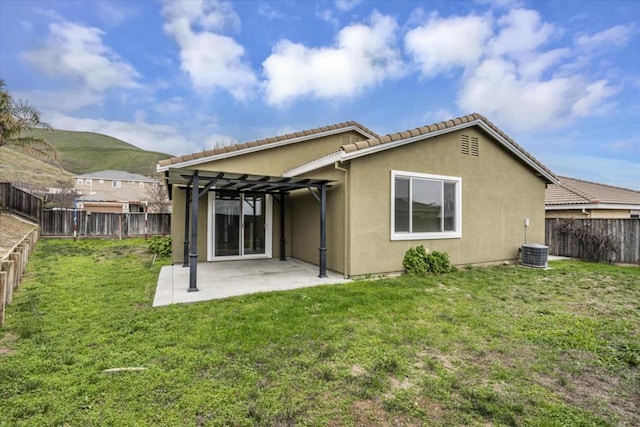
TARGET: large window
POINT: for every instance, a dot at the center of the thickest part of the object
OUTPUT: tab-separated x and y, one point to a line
425	206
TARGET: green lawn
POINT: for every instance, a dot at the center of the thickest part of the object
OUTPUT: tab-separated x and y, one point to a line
494	346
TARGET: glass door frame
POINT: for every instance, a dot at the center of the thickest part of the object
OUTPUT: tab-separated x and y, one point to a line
211	230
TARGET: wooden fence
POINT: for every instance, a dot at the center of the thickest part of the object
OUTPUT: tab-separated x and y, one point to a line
624	233
20	202
12	266
60	223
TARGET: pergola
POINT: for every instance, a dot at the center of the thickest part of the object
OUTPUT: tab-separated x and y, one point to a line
199	182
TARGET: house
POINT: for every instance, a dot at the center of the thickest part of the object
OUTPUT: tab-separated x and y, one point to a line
355	201
114	191
575	198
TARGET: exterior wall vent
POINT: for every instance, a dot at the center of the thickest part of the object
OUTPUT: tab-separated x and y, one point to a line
535	255
464	145
474	151
469	146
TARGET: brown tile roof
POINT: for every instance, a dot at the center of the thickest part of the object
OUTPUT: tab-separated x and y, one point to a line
425	130
573	191
265	141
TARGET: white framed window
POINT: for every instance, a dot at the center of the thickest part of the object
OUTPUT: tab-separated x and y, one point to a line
141	184
80	181
87	181
101	181
425	206
116	184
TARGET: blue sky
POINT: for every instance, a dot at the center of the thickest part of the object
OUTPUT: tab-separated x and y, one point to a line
562	78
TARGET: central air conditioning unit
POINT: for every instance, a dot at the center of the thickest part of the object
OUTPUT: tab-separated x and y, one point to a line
535	255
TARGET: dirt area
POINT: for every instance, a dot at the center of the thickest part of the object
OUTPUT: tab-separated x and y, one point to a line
12	230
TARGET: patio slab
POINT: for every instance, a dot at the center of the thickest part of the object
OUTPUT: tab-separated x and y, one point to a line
223	279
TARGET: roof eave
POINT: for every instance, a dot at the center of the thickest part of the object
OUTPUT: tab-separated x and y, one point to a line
572	206
325	161
195	162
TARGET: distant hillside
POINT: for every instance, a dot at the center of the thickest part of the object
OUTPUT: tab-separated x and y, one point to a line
84	152
19	167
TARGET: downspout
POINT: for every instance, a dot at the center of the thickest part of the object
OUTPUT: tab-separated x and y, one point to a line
347	222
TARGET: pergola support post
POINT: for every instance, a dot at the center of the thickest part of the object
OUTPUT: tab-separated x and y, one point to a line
193	255
323	231
185	253
282	234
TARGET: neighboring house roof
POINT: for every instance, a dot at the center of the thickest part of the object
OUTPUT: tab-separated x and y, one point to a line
576	193
260	144
122	196
116	175
380	143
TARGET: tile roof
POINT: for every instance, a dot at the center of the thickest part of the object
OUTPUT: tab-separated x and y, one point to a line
117	175
425	130
264	141
573	191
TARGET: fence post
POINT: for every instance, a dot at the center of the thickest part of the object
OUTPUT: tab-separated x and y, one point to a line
3	287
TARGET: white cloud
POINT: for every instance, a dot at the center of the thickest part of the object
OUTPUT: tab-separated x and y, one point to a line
444	43
509	74
495	90
50	99
268	11
521	32
112	13
533	65
363	56
594	100
617	36
346	5
212	60
77	52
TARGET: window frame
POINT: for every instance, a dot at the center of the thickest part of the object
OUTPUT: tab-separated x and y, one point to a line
116	184
403	235
80	181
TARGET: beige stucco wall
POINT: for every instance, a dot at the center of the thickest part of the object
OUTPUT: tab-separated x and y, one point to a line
305	222
589	213
498	193
273	161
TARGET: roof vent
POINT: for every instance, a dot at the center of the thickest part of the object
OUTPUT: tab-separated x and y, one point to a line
535	255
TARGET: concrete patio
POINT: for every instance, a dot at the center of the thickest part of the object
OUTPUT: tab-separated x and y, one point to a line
231	278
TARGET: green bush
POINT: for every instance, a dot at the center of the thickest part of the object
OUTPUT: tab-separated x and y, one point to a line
419	261
160	245
415	261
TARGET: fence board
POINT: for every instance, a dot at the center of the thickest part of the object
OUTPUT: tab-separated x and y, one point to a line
60	223
624	232
20	202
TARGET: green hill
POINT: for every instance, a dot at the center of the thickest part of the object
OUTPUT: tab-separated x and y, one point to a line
84	152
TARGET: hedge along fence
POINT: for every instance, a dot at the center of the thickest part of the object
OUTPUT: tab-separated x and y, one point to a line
60	223
12	267
613	240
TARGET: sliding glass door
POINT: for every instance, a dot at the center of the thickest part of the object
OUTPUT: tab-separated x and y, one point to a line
240	224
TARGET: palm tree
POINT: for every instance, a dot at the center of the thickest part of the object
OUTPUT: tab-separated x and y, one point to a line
17	117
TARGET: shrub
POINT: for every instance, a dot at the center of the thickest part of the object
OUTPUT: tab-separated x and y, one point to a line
415	261
419	261
160	245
